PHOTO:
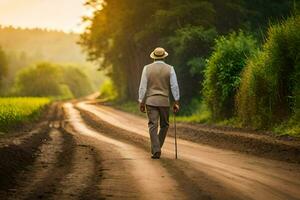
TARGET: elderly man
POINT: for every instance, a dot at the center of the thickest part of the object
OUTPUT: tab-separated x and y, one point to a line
156	81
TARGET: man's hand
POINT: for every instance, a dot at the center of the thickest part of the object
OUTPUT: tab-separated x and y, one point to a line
143	107
176	107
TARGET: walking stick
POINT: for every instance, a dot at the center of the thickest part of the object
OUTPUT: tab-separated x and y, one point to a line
174	116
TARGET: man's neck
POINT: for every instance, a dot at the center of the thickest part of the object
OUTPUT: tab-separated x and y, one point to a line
159	61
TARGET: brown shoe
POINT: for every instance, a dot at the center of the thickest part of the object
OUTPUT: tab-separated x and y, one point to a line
156	155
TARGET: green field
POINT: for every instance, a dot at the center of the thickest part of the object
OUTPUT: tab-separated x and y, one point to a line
14	111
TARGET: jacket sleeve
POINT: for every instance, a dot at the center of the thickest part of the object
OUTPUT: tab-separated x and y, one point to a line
143	86
174	85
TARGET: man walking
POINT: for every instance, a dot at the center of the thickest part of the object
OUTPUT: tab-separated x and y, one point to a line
156	81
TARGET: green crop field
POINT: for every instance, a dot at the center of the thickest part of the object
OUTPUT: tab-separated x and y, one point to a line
20	109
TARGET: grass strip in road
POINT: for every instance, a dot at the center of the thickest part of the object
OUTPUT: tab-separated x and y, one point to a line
18	110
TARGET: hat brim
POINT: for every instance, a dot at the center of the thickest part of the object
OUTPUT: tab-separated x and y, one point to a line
153	56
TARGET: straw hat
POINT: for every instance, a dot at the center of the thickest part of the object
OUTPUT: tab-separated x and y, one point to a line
159	53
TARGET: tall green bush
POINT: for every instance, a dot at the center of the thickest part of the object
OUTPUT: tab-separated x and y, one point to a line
108	90
222	75
78	82
270	89
47	79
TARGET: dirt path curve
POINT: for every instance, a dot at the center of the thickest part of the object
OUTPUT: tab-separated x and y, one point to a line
249	177
90	152
150	178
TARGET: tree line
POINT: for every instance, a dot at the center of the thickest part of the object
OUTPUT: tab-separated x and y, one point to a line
210	43
36	62
123	32
45	79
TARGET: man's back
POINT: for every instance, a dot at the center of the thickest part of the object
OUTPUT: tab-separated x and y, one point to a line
158	76
157	79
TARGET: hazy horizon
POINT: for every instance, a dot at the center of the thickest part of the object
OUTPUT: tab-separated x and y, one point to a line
60	15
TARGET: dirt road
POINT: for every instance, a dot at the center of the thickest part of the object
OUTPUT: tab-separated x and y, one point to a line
96	152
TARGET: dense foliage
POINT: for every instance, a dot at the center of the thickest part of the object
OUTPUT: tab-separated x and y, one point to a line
124	32
222	74
191	46
270	89
14	111
210	46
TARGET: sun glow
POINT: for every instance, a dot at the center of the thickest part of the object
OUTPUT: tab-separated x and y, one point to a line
65	15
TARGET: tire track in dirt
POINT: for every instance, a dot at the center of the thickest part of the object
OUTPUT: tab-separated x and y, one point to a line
59	164
84	175
16	157
18	150
115	180
150	178
262	144
240	174
259	144
196	184
41	172
64	169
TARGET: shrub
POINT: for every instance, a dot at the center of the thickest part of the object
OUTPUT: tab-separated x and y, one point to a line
201	113
59	81
222	75
108	90
77	81
270	89
41	80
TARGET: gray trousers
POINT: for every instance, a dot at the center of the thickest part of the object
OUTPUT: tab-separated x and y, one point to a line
154	114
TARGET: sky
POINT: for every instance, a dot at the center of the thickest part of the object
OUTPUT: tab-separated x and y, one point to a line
62	15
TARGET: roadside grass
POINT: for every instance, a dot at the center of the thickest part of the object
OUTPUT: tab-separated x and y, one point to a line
202	115
108	91
17	110
198	117
291	128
